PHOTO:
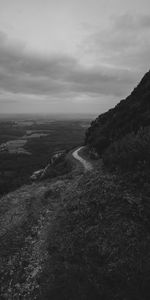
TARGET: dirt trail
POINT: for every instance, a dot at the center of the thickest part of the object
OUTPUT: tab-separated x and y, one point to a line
87	165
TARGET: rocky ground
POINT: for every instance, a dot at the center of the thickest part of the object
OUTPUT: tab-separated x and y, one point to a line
24	219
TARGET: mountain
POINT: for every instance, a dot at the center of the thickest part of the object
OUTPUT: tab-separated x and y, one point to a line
85	235
128	116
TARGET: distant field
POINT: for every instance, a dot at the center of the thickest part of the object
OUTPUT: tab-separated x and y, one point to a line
27	145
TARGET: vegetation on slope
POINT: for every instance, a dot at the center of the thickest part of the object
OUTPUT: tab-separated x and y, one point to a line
98	243
130	157
24	219
80	237
94	230
128	116
121	137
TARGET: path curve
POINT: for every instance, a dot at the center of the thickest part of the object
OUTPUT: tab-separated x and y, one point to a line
87	165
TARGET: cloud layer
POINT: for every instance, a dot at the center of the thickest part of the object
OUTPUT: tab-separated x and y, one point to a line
121	53
124	43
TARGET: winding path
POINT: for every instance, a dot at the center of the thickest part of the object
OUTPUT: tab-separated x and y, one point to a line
87	165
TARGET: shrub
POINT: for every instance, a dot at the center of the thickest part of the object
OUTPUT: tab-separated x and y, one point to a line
130	153
101	144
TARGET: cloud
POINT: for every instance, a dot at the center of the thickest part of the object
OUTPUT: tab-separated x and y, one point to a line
133	22
101	81
60	77
124	43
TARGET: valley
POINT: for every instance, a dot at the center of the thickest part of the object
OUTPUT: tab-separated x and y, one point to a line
27	145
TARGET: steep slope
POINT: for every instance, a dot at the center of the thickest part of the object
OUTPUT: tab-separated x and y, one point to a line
25	216
84	236
79	238
98	244
127	116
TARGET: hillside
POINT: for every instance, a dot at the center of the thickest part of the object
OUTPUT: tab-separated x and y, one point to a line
85	234
128	116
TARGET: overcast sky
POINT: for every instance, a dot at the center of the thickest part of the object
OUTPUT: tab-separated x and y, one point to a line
71	56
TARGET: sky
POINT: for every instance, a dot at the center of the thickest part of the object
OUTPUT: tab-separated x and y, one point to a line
71	56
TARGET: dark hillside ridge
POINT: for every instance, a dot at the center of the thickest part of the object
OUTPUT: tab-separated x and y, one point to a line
128	116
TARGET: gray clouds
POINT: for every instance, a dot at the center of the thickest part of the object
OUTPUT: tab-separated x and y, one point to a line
26	73
121	53
133	22
124	43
